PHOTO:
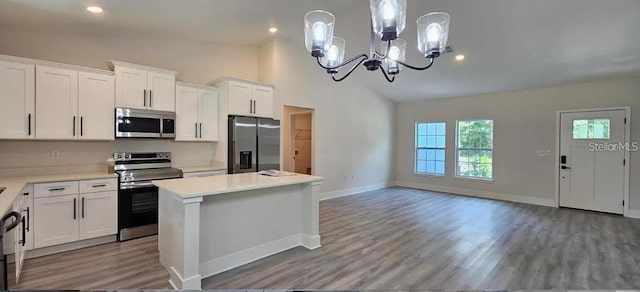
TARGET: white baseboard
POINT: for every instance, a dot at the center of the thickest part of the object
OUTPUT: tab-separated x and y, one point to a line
310	242
633	213
225	263
34	253
480	194
353	191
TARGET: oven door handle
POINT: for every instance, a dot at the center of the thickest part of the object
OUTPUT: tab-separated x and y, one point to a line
135	185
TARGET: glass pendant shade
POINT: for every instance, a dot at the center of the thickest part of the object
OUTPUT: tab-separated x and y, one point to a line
318	31
388	18
396	52
335	54
433	32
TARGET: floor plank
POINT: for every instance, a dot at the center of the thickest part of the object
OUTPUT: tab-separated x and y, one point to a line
396	238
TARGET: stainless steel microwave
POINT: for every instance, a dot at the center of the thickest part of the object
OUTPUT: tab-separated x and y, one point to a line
137	123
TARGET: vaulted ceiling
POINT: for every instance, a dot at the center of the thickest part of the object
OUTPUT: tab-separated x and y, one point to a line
509	44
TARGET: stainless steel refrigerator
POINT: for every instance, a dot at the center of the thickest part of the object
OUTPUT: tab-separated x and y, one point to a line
254	144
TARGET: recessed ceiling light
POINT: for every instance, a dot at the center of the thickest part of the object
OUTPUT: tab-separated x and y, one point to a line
459	57
94	9
273	29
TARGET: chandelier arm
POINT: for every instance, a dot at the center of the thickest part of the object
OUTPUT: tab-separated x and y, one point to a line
381	56
417	68
333	75
386	76
364	56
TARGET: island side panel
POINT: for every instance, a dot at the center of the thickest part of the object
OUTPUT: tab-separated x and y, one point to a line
242	227
179	239
310	219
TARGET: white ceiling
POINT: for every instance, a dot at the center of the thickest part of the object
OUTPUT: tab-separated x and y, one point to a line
509	44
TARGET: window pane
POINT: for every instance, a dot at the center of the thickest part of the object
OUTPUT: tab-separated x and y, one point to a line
431	166
463	156
440	155
440	129
431	141
440	167
431	155
591	129
422	129
422	154
431	129
477	158
422	141
421	166
440	141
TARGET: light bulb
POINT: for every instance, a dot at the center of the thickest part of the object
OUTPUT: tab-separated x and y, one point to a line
388	10
332	55
319	33
434	32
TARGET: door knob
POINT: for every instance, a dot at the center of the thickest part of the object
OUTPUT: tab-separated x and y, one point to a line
565	167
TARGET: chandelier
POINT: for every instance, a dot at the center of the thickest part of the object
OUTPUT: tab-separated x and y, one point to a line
388	18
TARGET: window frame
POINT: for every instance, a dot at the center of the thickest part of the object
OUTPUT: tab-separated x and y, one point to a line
458	149
416	148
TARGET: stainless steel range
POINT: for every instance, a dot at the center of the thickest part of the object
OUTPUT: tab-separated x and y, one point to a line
137	197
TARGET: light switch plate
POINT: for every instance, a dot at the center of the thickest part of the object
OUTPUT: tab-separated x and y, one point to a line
544	153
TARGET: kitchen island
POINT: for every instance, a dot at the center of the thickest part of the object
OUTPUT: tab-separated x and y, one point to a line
208	225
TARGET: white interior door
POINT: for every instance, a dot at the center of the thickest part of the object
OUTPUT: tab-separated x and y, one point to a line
592	153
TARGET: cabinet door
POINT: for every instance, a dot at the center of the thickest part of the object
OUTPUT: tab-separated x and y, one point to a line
96	99
131	88
57	220
17	100
208	115
239	99
98	214
263	97
57	103
27	212
162	91
186	114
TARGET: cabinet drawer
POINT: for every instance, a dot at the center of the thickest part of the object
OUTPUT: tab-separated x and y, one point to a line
55	189
98	185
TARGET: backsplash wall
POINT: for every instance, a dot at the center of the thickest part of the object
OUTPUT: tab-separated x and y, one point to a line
37	157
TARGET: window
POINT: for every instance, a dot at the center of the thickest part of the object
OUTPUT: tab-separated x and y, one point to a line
591	129
430	145
475	149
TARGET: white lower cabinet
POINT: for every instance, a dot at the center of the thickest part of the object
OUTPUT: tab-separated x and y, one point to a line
68	217
98	214
56	221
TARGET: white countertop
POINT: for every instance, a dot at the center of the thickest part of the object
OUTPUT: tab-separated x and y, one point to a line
14	185
230	183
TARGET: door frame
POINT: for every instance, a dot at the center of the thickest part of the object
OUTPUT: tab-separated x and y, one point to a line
627	139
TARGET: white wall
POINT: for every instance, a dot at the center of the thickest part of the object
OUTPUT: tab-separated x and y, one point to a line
525	122
354	127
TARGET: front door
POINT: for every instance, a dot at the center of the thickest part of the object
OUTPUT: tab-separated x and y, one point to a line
592	153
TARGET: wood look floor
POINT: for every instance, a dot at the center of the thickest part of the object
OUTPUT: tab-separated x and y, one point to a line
397	238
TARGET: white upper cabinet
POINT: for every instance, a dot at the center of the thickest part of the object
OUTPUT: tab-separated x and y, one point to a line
17	100
57	103
95	106
208	114
196	113
186	113
131	88
247	98
263	101
240	100
143	87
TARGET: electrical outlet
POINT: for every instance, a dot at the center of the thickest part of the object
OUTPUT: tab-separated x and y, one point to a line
55	154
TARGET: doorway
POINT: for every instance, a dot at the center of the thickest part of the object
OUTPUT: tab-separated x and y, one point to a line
298	140
593	168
